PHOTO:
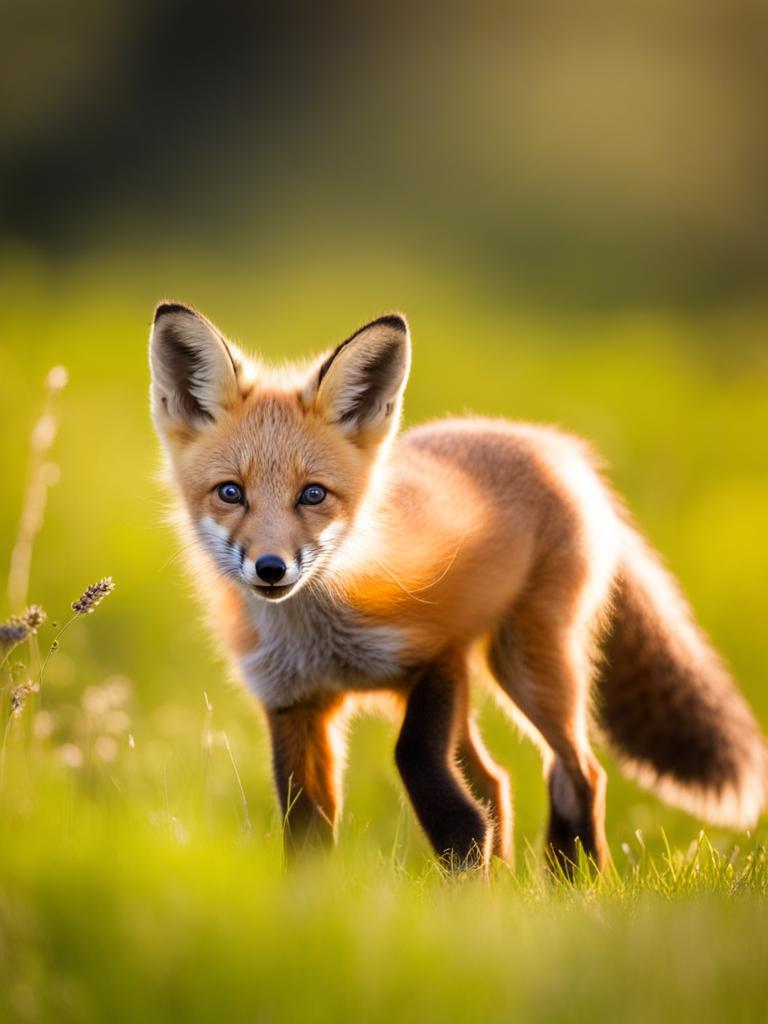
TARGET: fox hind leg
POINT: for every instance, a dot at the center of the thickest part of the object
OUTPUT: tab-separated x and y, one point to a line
576	811
545	669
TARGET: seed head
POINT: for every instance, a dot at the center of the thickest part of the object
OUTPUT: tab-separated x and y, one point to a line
19	696
12	633
34	617
17	628
93	596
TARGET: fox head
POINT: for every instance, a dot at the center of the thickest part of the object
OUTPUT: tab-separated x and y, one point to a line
272	468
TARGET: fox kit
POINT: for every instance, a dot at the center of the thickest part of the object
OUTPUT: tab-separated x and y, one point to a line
340	559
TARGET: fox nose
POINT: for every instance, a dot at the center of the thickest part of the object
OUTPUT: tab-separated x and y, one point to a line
271	568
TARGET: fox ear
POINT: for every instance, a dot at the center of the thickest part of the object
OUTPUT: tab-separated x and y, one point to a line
360	385
194	370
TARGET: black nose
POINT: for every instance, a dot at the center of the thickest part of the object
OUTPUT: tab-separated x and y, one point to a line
271	568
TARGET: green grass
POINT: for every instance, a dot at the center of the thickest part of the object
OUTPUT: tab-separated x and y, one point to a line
138	881
123	924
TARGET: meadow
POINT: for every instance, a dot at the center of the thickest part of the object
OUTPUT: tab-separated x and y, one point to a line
141	873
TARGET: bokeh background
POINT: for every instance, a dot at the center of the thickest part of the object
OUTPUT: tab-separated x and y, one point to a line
569	203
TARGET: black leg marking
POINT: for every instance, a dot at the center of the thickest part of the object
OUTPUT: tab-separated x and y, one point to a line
574	802
453	821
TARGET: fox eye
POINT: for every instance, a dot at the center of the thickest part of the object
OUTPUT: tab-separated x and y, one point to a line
312	495
231	493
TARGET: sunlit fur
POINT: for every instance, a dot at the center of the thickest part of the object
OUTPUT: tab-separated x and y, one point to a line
461	538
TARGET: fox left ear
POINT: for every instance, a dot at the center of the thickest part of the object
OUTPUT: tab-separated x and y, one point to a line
359	387
196	373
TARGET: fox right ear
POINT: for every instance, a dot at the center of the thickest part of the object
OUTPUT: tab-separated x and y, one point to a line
194	370
359	386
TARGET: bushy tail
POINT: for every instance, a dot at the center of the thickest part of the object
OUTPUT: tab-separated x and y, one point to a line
669	707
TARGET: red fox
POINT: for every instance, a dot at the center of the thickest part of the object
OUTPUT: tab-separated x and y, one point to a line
339	559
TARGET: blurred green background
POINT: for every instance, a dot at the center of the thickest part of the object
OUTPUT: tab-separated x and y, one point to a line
569	203
570	206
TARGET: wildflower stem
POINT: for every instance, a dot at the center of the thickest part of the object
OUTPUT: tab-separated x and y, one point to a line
84	605
241	787
6	734
53	647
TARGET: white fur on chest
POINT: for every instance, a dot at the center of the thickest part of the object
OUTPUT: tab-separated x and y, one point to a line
309	645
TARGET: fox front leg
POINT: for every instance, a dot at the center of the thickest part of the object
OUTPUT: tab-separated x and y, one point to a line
425	754
308	755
